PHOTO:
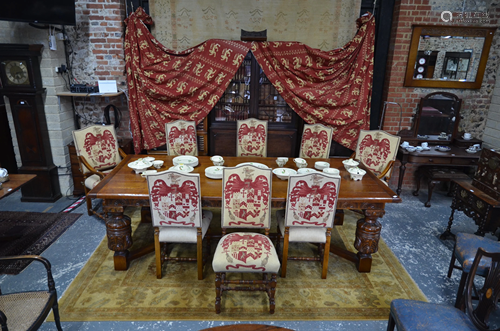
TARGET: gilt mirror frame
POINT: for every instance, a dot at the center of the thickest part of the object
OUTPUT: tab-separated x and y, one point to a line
442	30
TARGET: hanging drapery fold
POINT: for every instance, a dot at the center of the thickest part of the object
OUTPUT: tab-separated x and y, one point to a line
166	85
327	87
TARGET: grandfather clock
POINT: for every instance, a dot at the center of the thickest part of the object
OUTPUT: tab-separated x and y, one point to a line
22	84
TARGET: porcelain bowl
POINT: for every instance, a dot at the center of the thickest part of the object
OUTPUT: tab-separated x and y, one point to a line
149	159
411	149
306	171
332	171
443	148
320	165
284	173
469	150
217	160
356	173
350	163
140	165
300	162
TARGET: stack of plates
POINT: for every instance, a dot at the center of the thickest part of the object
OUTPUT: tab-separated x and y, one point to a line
214	172
182	168
186	160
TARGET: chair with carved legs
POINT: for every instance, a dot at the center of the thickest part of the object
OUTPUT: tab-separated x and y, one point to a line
466	246
181	138
310	210
177	216
481	298
316	141
252	137
98	154
246	203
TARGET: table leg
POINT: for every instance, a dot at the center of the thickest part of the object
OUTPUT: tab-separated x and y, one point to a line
119	234
367	238
402	169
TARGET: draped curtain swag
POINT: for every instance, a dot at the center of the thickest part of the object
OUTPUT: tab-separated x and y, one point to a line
327	87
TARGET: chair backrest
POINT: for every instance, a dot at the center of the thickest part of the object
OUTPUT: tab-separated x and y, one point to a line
98	144
479	311
376	149
312	200
246	197
175	199
316	141
181	138
252	137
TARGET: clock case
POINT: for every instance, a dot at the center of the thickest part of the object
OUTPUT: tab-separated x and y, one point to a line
28	114
21	52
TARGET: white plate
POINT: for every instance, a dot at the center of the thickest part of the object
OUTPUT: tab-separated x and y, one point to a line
306	170
471	150
466	138
186	160
284	173
320	165
214	172
149	159
255	164
182	168
139	165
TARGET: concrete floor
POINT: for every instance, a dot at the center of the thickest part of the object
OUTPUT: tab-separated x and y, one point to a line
409	229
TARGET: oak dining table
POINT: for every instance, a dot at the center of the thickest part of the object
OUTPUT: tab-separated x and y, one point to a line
122	188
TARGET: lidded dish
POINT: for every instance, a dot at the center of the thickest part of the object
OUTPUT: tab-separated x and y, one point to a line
356	173
350	163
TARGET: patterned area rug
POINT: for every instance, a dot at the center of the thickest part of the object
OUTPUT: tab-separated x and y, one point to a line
29	233
99	293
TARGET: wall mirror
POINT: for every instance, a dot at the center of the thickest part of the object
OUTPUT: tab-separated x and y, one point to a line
448	57
437	118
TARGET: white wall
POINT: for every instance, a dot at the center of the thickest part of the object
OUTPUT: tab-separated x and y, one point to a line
59	118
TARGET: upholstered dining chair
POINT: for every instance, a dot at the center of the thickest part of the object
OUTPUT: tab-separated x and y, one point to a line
466	246
310	209
181	138
246	203
98	153
177	216
418	315
252	137
316	141
377	150
27	310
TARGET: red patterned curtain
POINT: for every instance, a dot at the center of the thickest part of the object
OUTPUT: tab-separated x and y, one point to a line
327	87
166	85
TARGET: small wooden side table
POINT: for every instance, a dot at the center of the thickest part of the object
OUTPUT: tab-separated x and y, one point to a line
15	181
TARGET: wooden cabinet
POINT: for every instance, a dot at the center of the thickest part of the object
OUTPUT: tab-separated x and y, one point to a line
250	94
125	144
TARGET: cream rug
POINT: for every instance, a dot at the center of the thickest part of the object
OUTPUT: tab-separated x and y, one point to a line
99	293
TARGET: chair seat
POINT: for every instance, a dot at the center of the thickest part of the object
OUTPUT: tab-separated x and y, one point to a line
23	308
466	247
230	257
418	315
301	233
184	234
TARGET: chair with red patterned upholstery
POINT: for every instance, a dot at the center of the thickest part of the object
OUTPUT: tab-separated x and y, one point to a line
246	203
316	141
252	137
377	150
308	218
181	138
98	153
177	216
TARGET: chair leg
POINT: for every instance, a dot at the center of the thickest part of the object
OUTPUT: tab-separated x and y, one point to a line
326	253
217	291
272	292
199	254
431	185
285	253
338	219
57	320
459	302
158	253
391	324
452	263
89	201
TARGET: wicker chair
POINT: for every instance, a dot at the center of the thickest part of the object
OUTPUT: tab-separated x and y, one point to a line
28	310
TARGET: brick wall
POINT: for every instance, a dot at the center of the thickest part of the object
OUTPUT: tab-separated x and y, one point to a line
475	103
491	136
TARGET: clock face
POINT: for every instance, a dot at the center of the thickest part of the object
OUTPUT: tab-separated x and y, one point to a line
420	69
16	72
419	76
421	61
